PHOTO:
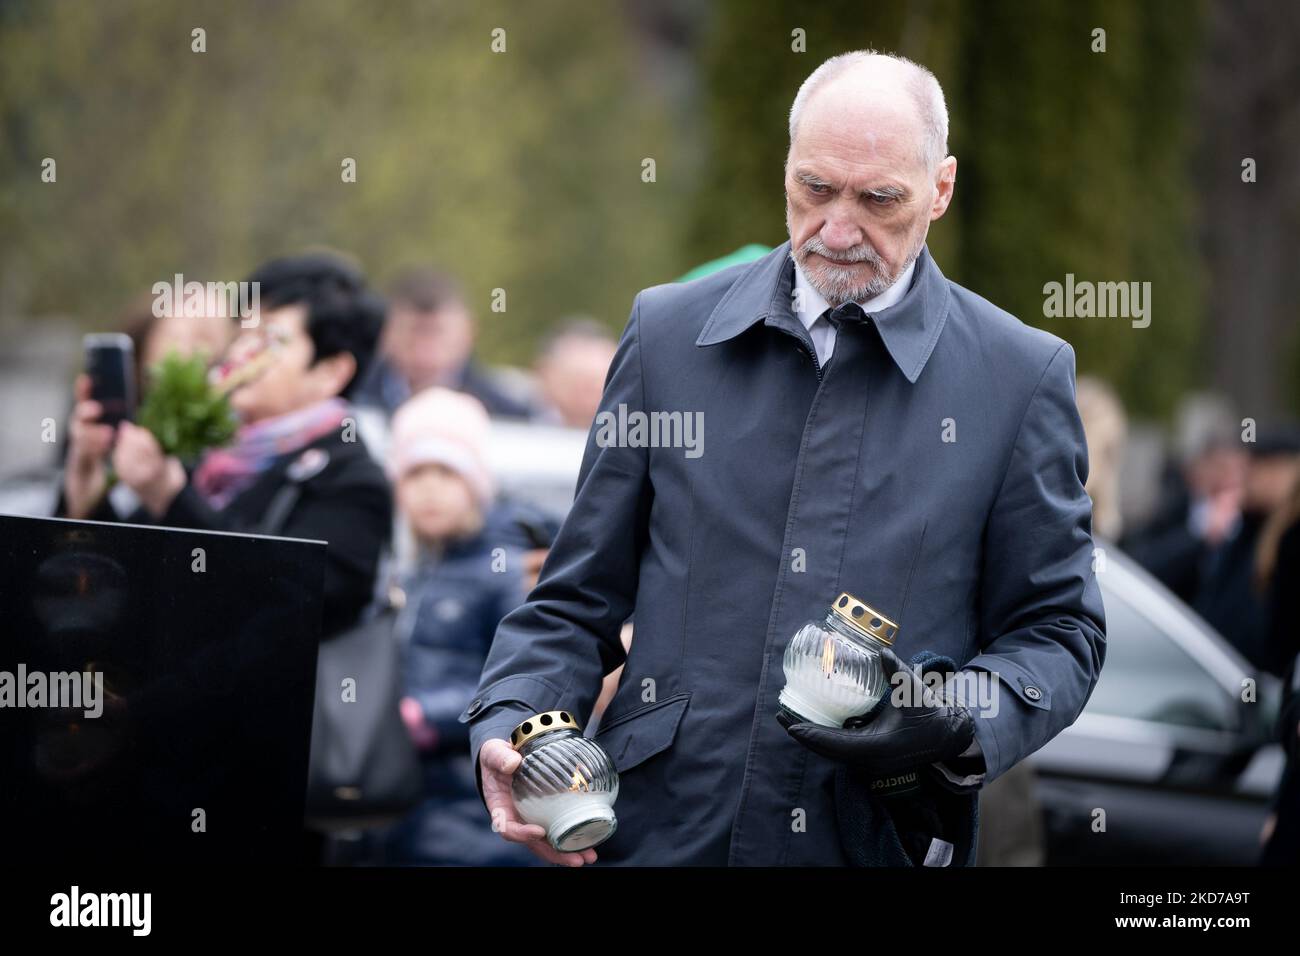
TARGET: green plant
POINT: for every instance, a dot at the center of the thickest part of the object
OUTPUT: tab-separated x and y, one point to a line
185	413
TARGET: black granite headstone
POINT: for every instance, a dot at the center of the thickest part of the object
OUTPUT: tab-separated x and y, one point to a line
156	691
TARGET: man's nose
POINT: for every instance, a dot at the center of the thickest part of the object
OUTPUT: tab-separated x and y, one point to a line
840	234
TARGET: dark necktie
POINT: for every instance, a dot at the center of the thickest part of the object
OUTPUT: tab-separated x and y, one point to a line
849	313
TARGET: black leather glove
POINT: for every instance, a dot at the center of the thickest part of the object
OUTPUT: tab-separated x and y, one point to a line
898	738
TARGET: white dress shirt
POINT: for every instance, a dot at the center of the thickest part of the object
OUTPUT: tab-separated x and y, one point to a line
812	305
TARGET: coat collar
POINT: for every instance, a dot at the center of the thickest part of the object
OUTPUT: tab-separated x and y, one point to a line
909	328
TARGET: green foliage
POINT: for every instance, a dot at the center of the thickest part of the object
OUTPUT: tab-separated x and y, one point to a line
186	414
521	170
1071	161
518	170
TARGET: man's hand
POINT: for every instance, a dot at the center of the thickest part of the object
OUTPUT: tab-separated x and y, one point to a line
422	733
85	477
924	729
1222	511
533	561
146	469
498	762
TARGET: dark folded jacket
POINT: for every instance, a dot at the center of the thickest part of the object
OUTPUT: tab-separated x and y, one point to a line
906	819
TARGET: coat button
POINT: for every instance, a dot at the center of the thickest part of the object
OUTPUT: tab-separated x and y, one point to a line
475	707
1033	693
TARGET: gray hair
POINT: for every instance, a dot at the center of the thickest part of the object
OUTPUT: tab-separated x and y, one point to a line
921	83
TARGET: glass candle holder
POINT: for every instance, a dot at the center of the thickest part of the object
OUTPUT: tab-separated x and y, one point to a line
832	667
566	784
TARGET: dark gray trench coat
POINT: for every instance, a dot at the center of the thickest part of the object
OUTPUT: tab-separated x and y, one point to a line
946	450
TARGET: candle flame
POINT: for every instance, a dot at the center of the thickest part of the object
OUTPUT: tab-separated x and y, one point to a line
578	782
828	656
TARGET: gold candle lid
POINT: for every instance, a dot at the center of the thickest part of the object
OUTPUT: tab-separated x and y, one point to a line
862	617
542	723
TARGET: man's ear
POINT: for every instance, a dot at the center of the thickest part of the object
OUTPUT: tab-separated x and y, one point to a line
944	183
335	373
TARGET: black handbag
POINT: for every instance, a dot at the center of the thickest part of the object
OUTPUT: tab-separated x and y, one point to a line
364	771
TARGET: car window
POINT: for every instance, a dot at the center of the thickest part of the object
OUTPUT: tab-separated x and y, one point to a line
1147	676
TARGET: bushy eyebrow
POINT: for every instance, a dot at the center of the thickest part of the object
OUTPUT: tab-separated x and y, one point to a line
885	192
806	178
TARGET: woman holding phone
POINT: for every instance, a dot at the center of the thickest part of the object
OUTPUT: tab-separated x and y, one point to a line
292	371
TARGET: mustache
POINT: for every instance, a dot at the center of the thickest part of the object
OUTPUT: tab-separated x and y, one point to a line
861	253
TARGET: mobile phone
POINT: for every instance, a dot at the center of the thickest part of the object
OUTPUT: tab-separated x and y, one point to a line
110	365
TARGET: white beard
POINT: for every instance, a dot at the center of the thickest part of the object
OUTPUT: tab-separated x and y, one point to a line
838	284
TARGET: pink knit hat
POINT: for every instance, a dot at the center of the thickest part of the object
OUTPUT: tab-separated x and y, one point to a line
447	428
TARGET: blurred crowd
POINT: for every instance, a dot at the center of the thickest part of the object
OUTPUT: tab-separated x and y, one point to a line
1227	509
1224	536
410	511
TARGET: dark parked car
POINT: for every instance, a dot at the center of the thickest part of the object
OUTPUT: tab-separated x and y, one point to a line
1167	748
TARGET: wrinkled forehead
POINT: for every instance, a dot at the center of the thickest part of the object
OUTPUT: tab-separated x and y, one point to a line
850	124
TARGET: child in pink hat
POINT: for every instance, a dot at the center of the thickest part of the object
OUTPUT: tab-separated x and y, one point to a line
465	580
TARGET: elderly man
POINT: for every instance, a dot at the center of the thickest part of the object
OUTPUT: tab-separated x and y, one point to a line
870	427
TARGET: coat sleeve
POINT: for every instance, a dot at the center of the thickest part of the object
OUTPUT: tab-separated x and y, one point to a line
1042	623
552	652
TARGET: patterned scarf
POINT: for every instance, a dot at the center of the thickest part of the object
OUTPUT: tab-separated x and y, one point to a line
225	472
